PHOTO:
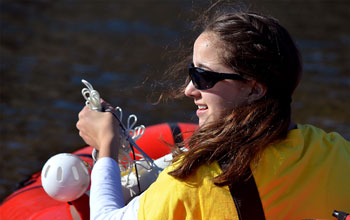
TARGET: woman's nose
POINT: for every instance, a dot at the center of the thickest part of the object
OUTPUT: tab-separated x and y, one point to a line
191	91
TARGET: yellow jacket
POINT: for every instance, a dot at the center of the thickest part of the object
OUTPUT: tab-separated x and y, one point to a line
307	175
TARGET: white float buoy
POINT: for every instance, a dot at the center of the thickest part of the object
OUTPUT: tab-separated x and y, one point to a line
65	177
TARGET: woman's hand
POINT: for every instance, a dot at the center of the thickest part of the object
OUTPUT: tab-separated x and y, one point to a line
100	130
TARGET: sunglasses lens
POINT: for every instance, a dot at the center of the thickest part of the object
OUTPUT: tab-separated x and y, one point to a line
201	80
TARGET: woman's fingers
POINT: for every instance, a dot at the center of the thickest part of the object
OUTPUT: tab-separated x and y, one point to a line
83	126
98	129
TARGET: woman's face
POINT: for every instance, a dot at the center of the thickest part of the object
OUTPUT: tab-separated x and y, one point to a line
226	94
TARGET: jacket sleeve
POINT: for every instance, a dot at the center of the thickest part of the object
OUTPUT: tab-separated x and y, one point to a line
106	196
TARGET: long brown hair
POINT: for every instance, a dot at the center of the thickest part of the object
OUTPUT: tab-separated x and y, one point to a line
257	47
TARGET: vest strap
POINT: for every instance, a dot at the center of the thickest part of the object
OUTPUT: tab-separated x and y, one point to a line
246	197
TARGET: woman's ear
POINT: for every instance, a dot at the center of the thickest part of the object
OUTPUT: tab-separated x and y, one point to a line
258	90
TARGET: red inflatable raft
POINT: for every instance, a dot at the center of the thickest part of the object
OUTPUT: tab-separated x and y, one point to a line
32	202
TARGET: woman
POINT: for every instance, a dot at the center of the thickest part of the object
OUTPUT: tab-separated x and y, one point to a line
247	160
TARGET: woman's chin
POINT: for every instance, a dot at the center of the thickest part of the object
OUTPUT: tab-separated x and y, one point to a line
204	121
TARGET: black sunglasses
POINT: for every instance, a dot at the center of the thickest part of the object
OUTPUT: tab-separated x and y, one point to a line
203	79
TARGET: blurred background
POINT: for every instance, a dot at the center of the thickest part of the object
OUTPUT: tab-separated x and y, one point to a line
122	48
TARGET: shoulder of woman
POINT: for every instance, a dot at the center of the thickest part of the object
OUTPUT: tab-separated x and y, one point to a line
168	196
166	183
